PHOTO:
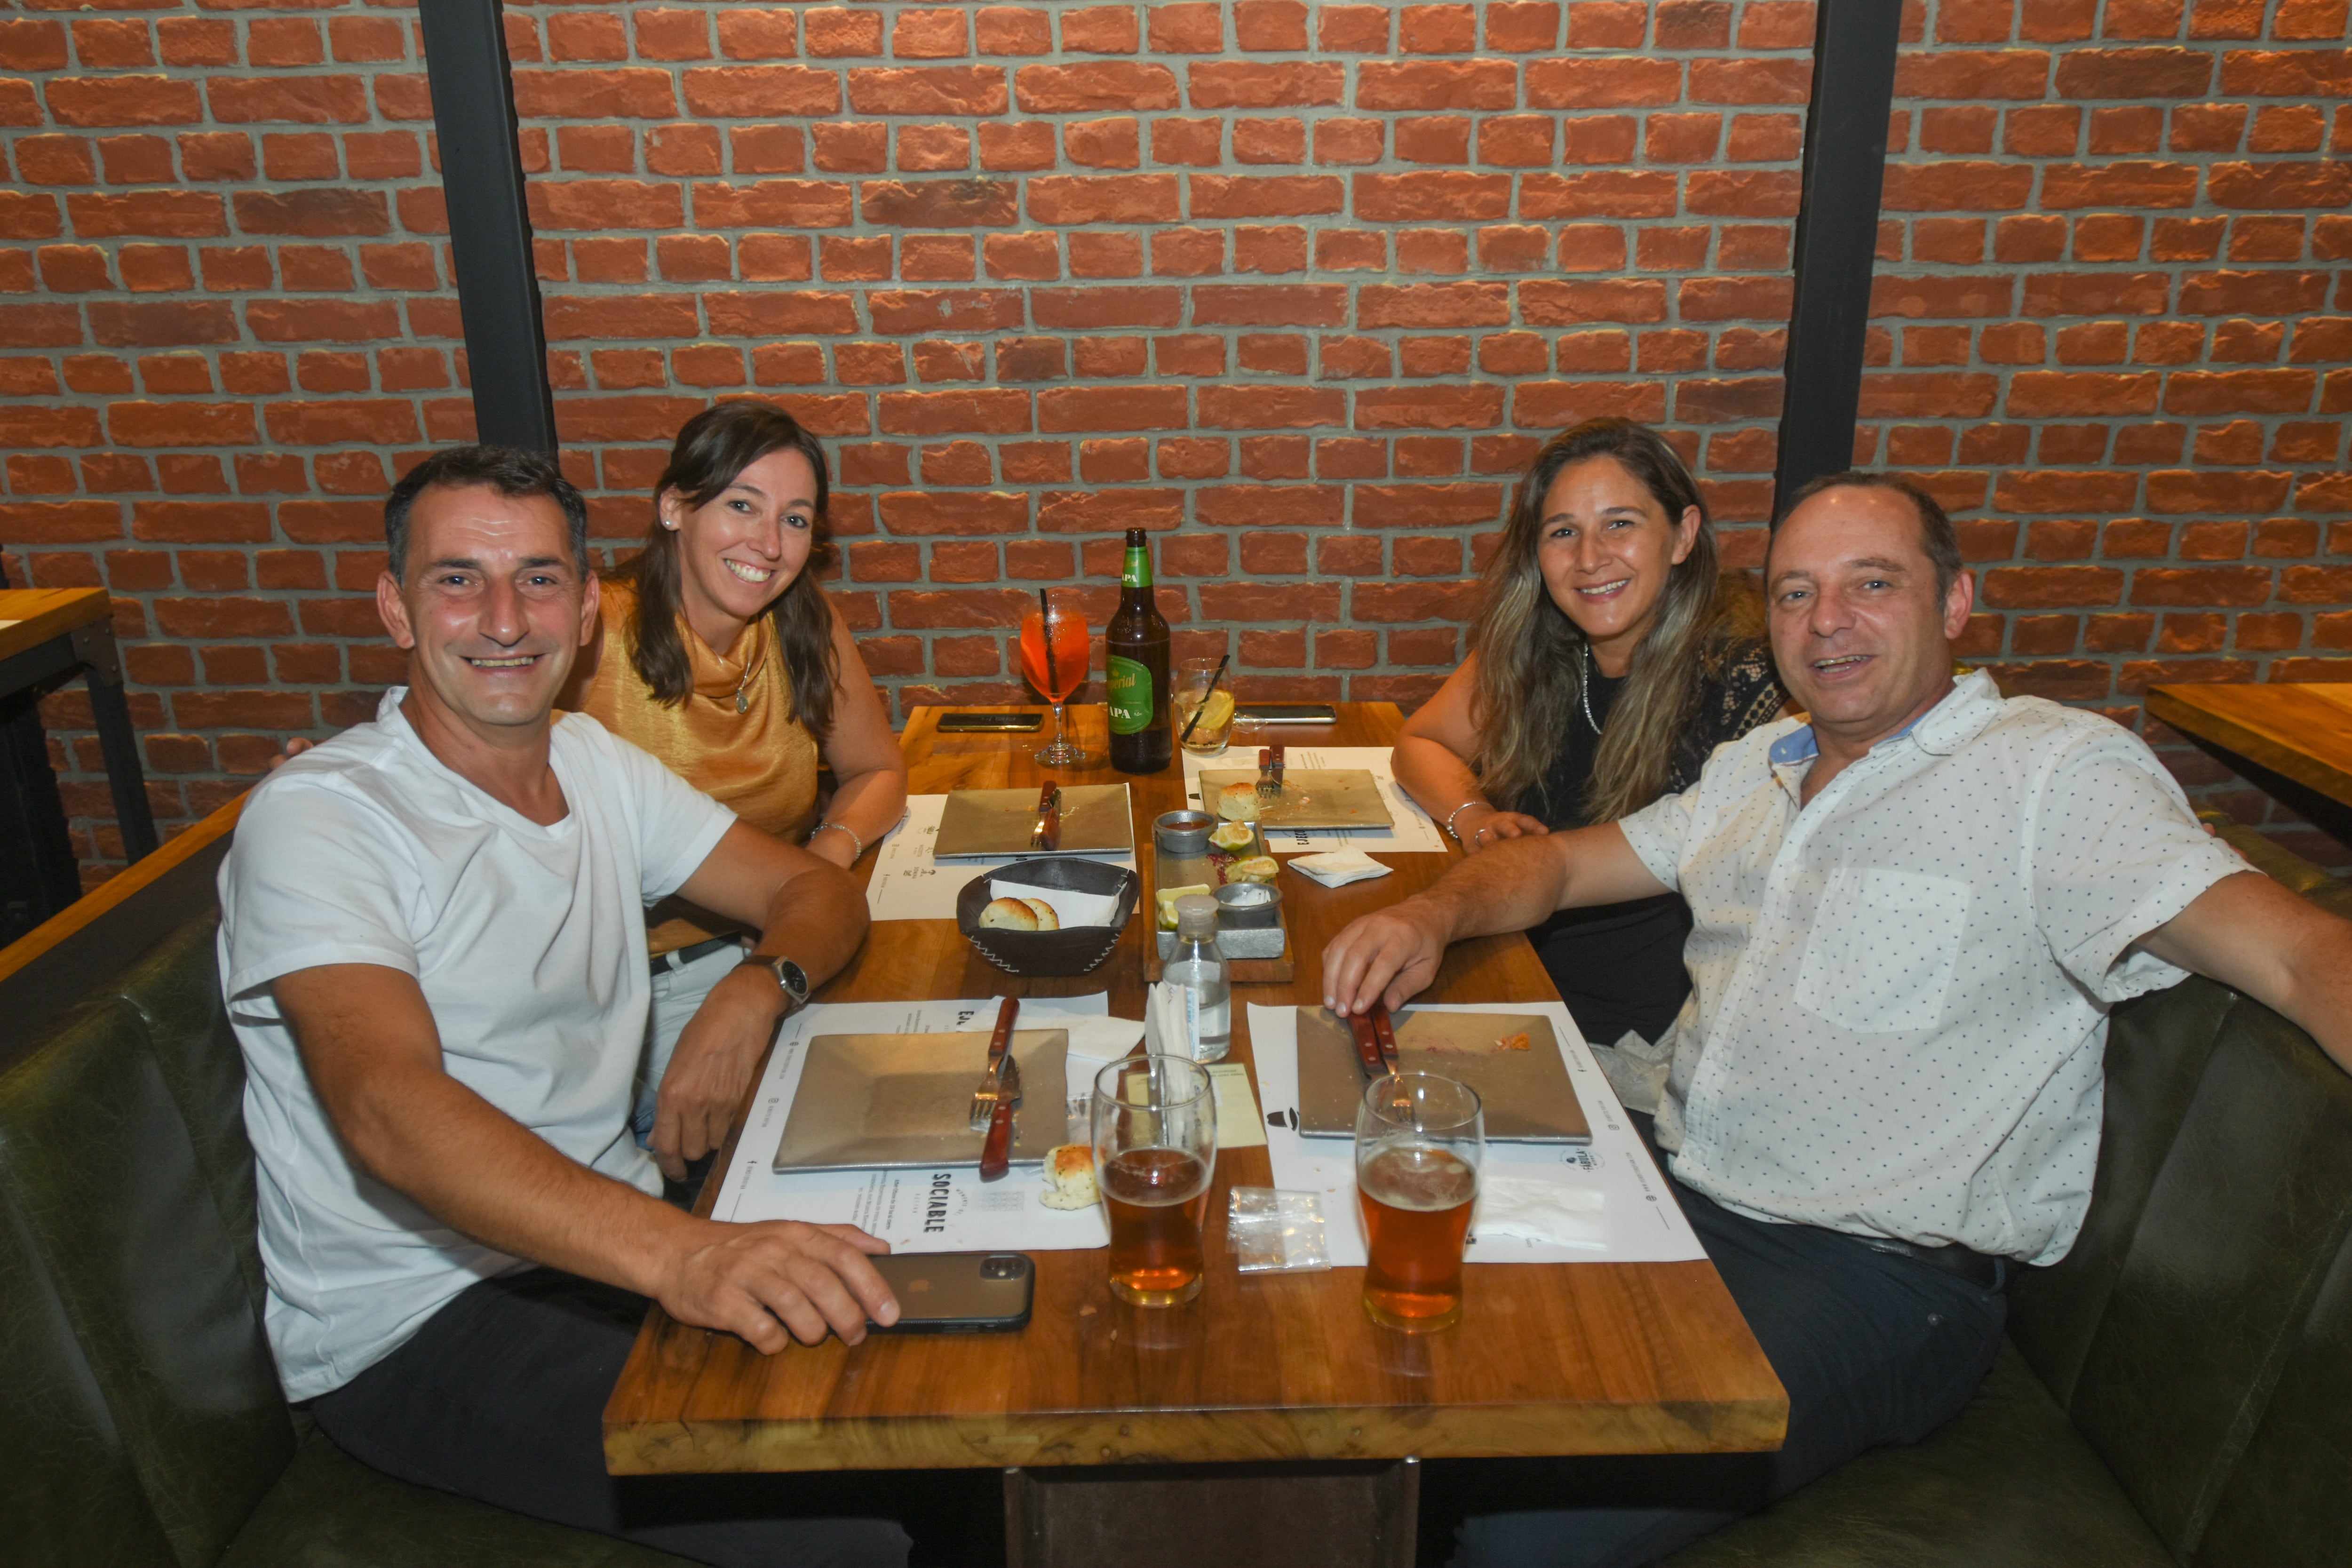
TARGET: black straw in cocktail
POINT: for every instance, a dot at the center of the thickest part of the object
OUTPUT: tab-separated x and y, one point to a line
1203	706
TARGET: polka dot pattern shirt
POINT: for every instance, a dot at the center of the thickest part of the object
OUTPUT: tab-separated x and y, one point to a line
1900	990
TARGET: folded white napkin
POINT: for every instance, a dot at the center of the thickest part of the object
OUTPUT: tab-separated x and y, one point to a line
1093	1042
1533	1209
1338	868
1070	907
1168	1021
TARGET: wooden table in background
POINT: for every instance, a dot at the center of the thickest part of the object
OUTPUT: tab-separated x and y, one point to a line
46	633
1550	1360
2303	733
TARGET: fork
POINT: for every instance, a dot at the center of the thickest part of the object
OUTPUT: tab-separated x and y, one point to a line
1269	773
992	1085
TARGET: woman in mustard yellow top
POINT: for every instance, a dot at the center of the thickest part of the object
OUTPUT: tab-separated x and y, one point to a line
719	655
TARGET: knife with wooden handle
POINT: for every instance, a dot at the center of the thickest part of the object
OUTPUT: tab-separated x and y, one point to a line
996	1154
1384	1038
1367	1047
1047	833
983	1099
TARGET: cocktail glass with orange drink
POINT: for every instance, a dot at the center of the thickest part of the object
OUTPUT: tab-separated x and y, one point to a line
1056	649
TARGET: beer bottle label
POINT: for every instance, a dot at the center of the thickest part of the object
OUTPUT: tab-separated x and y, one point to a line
1136	572
1130	696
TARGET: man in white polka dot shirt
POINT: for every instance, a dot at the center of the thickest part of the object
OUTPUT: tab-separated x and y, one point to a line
1912	910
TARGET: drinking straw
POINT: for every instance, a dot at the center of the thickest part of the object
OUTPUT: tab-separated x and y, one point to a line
1046	632
1211	691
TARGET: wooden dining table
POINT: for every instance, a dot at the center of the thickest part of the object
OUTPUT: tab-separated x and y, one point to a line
1118	1425
2303	731
49	635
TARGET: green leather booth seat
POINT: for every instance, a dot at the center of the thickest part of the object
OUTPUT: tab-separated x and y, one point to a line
2179	1389
145	1428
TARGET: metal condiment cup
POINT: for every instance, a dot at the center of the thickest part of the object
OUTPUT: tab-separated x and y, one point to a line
1245	905
1183	834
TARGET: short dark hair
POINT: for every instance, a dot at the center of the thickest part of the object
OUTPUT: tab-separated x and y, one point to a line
1936	536
512	471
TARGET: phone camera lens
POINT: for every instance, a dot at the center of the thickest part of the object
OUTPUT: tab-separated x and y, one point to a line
1011	1268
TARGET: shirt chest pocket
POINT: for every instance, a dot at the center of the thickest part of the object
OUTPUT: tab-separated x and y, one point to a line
1883	949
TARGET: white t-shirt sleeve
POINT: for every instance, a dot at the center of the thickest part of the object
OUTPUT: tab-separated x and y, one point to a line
677	825
315	878
2116	853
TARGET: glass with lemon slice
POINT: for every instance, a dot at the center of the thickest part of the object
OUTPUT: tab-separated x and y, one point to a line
1193	695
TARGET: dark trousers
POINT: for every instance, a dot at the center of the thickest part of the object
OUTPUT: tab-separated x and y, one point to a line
501	1395
1873	1348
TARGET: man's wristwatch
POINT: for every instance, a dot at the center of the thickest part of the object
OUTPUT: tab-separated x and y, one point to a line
790	976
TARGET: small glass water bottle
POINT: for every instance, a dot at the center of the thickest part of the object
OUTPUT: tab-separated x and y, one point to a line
1199	969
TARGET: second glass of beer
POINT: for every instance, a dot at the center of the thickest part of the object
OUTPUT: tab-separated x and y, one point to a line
1420	1141
1155	1134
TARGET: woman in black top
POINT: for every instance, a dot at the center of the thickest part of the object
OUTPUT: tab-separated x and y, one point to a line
1609	660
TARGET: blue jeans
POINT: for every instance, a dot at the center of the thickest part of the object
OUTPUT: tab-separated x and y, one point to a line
1873	1348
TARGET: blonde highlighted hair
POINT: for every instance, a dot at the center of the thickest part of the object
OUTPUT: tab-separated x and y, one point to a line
1532	659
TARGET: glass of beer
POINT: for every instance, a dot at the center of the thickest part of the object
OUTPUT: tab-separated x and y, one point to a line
1420	1141
1155	1133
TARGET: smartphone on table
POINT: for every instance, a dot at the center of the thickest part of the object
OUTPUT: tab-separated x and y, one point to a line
958	1293
1289	712
966	722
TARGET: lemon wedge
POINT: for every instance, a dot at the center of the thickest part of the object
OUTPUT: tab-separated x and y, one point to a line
1217	711
1168	896
1257	869
1232	836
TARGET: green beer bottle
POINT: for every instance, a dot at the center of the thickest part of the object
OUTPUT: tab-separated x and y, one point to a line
1136	643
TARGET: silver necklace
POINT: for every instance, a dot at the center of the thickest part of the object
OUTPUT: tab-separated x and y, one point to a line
1584	685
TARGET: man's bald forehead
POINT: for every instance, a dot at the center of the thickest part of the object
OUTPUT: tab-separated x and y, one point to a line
1914	528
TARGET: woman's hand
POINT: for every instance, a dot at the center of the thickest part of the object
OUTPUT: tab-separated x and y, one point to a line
1482	826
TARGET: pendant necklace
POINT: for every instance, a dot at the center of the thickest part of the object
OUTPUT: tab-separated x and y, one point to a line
751	662
1584	685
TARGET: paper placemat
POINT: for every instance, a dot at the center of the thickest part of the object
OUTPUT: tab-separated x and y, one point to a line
948	1210
1415	833
1613	1179
909	885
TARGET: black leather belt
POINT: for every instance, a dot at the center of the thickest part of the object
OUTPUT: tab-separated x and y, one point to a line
663	963
1983	1272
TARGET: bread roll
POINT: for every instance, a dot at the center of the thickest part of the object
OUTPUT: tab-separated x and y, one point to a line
1238	802
1008	914
1070	1177
1046	918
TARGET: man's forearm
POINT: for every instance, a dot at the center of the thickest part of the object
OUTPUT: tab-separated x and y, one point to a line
1516	884
817	920
484	1175
1511	886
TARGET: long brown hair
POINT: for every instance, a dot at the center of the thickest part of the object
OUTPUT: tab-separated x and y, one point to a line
1532	658
711	452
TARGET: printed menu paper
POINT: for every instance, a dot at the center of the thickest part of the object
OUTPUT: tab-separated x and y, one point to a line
950	1210
910	885
1415	833
1615	1192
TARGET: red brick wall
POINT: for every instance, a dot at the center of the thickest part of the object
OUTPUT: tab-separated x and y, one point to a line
1298	286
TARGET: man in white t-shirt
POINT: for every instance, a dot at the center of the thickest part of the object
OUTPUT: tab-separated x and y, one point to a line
1912	910
432	945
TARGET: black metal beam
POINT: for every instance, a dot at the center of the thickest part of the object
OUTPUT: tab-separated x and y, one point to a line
490	227
1837	237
